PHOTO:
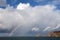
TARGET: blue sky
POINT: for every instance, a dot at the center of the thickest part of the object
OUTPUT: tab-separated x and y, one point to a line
33	2
14	3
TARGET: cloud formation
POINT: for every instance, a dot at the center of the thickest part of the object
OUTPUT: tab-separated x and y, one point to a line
23	6
44	18
3	3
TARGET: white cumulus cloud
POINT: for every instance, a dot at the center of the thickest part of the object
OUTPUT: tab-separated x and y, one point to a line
22	21
22	6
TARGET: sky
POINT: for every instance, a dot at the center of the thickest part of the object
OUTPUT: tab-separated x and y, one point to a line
14	3
29	17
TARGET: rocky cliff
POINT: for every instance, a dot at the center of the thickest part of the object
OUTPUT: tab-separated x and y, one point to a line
54	34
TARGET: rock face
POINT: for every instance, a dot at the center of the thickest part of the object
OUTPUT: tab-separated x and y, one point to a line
54	34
